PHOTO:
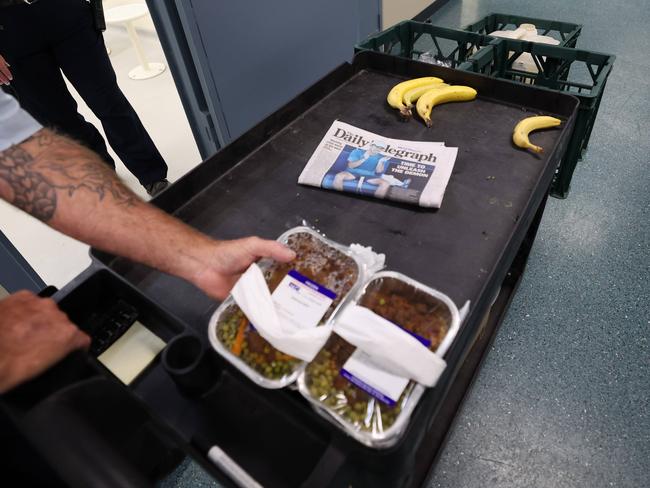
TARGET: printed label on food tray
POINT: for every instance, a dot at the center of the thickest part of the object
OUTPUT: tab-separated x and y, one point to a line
301	301
362	371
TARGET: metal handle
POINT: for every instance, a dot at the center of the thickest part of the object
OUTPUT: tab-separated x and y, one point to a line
231	468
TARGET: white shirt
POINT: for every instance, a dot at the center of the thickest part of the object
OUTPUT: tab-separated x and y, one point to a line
16	125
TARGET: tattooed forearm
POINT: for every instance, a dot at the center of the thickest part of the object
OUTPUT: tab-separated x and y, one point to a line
26	189
73	191
32	173
92	176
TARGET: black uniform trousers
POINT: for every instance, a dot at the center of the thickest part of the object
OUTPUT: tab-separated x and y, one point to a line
41	40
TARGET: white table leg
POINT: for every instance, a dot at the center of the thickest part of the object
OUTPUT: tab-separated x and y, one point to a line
135	40
146	69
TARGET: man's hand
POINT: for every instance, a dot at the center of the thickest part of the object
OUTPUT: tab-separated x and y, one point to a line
227	260
34	335
5	74
70	189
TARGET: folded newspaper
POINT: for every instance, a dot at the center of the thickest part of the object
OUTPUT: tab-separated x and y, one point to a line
353	160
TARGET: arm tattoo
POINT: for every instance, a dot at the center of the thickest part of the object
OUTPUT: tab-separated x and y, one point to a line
31	192
33	180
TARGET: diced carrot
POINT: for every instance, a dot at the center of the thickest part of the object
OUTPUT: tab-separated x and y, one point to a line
239	338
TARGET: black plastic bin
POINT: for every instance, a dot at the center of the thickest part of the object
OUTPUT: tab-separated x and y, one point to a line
410	39
565	32
577	72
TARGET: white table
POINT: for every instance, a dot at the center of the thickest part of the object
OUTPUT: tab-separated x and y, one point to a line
127	15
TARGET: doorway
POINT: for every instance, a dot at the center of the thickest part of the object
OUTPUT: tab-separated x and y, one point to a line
57	258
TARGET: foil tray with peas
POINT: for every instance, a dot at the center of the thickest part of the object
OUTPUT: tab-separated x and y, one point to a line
414	307
236	339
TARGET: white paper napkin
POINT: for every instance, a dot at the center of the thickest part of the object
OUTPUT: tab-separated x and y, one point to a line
396	350
252	295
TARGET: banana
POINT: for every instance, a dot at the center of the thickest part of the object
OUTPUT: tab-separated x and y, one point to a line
411	96
529	124
396	95
437	96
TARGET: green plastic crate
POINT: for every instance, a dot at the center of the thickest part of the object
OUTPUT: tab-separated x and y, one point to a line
565	32
410	39
577	72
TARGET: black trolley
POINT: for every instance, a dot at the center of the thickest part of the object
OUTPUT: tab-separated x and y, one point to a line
475	247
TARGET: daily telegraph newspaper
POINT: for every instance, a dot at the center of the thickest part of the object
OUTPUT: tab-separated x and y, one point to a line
353	160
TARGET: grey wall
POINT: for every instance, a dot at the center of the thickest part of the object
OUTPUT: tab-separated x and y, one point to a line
254	56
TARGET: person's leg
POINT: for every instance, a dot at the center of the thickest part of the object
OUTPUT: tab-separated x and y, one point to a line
84	60
340	178
41	91
37	81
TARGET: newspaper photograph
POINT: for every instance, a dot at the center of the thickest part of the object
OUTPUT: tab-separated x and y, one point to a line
353	160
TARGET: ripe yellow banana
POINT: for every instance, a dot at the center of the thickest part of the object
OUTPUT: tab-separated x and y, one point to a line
529	124
437	96
396	95
411	96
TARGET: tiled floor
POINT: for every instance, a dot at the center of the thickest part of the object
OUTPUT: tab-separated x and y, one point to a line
57	258
563	398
